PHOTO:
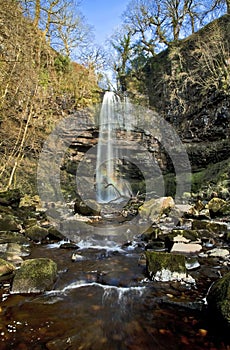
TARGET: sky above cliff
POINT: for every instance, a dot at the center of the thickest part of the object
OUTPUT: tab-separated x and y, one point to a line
104	16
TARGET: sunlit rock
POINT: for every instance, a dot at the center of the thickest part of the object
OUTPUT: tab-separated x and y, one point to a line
218	206
156	207
186	248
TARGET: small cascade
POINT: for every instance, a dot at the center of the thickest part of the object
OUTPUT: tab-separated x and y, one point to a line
109	185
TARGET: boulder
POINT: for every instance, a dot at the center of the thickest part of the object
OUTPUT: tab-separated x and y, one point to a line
219	299
35	276
55	234
36	233
156	207
165	266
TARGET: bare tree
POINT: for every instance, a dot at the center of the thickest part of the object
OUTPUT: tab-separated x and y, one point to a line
61	22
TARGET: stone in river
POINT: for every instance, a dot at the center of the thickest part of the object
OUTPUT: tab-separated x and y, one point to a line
166	267
35	276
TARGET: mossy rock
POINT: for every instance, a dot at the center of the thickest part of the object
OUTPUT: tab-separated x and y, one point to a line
35	276
36	233
157	262
6	268
219	299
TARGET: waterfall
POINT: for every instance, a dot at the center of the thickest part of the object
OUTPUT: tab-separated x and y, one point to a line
109	185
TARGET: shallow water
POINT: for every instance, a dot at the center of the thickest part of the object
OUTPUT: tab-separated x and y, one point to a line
105	302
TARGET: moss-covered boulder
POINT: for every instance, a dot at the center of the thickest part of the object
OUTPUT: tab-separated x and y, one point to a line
6	268
165	266
156	207
36	233
35	276
219	299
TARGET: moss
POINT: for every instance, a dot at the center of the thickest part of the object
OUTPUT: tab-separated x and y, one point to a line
35	275
219	298
36	233
157	261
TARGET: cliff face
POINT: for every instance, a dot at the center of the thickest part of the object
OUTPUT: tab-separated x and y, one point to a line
189	85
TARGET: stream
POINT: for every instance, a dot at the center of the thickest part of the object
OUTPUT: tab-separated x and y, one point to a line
103	300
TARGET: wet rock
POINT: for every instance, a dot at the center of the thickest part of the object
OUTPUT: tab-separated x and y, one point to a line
165	266
69	245
36	233
35	276
77	257
219	299
192	263
8	223
6	268
218	206
155	208
10	198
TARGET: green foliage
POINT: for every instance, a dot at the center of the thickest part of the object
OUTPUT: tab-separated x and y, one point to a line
62	64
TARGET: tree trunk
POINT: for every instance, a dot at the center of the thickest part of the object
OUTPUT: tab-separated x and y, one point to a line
37	13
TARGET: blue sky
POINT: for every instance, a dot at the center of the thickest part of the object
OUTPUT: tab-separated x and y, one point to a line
103	15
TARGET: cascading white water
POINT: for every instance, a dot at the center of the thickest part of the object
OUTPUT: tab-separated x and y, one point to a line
109	186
